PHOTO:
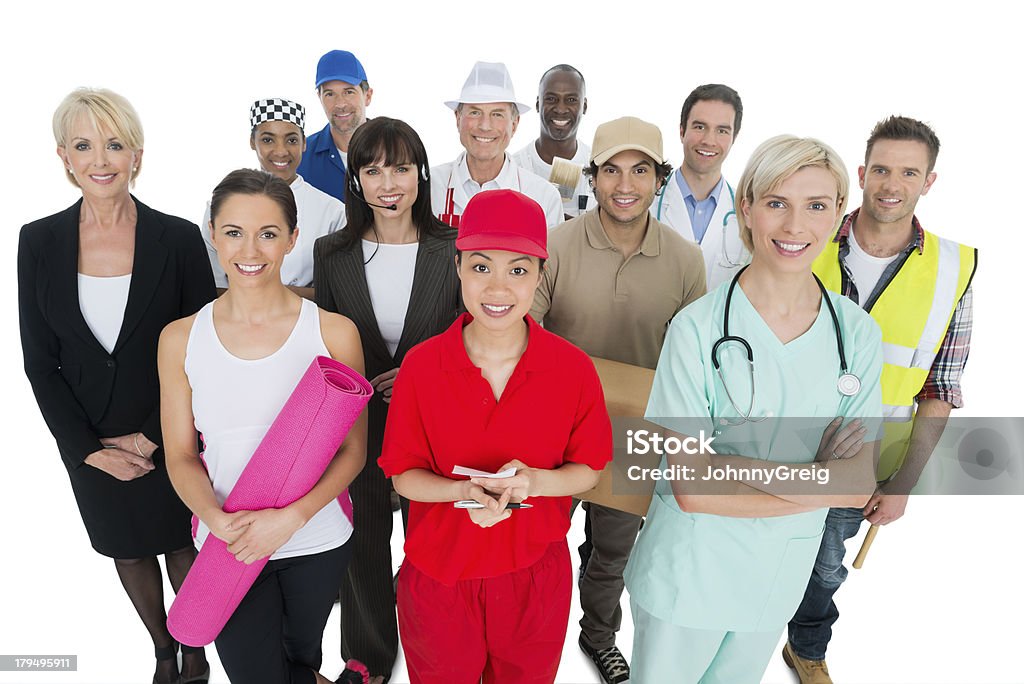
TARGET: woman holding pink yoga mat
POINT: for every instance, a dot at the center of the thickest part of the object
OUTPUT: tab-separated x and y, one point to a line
227	371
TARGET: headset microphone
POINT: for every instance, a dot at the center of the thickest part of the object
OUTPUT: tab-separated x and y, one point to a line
392	207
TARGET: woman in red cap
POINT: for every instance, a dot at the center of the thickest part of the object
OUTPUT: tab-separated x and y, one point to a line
485	588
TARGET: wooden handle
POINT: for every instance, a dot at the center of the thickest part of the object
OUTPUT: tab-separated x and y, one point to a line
858	563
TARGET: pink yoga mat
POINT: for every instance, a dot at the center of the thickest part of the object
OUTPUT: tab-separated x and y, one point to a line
287	464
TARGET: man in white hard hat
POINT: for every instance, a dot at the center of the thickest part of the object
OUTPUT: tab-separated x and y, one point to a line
487	115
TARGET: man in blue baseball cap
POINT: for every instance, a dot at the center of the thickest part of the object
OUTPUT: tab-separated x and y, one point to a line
344	92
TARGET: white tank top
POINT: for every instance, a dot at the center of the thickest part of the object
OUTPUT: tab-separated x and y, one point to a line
234	402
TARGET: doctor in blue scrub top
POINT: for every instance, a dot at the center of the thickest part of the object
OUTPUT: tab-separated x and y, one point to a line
793	400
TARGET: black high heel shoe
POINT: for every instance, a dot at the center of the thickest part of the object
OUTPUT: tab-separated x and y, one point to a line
198	679
167	653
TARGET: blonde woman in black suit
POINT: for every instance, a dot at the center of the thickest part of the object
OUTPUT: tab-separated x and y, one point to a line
97	283
392	271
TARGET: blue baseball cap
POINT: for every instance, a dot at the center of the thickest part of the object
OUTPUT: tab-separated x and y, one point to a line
339	65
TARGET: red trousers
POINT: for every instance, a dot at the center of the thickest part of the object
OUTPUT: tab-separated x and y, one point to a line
507	629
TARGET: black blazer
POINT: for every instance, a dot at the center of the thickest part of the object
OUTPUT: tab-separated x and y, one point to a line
339	281
85	393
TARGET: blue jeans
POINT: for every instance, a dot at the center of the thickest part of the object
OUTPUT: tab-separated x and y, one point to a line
811	627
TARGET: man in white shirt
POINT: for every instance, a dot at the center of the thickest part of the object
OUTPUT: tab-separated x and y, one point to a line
487	115
561	103
697	201
278	139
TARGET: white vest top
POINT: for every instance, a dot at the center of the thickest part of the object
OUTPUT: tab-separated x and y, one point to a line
234	402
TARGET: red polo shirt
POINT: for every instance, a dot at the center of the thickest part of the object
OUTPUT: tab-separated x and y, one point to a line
443	413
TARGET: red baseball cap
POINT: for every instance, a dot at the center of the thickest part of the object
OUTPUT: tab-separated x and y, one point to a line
505	220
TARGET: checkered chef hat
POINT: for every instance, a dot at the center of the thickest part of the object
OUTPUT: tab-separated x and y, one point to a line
277	109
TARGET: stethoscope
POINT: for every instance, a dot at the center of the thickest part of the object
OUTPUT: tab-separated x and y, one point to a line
729	261
848	383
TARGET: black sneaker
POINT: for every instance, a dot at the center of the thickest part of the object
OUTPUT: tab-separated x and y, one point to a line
610	663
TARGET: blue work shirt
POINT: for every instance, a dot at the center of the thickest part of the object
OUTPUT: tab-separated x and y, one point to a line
700	211
322	165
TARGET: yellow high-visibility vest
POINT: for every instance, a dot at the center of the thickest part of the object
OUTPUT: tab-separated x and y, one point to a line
913	312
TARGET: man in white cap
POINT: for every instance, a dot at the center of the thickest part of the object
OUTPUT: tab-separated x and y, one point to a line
561	104
487	115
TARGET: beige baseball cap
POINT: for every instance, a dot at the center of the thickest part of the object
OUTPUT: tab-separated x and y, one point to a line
627	133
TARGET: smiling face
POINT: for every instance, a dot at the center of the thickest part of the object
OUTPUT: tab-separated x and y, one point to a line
485	130
791	224
251	236
498	287
894	179
344	105
279	146
625	187
707	136
99	160
396	184
562	104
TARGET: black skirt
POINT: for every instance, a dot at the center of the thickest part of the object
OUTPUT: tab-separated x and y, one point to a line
134	519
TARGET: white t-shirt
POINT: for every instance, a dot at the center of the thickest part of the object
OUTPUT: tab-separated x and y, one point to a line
865	269
389	278
318	215
235	401
528	158
455	174
102	300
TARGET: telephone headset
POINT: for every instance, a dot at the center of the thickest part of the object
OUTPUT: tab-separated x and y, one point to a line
353	180
357	192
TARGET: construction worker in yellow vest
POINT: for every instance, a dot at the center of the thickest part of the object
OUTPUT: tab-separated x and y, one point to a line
916	286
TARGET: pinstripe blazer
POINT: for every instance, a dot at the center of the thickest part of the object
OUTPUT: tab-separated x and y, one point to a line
339	281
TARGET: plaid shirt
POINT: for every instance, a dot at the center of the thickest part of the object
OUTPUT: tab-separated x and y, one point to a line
944	377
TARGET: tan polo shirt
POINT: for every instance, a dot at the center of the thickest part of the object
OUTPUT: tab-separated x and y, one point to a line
612	306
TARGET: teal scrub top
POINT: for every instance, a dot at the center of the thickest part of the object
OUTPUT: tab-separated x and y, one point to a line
707	571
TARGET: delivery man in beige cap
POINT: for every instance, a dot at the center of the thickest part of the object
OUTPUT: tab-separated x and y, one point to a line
614	279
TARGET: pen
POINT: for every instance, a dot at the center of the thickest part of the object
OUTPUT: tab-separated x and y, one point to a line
470	503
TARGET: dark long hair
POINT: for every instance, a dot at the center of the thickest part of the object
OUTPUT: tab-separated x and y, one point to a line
390	141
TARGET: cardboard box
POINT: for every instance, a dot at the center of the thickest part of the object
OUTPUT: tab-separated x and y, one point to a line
626	390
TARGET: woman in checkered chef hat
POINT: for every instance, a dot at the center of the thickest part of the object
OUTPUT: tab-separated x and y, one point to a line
97	283
277	137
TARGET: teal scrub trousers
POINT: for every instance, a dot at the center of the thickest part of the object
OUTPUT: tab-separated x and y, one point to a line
663	652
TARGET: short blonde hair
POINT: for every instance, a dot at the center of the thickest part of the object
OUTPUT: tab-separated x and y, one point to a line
778	158
104	109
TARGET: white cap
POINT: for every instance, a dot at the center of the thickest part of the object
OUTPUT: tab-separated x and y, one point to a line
488	82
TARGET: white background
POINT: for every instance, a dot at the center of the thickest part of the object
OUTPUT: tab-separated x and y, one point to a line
940	599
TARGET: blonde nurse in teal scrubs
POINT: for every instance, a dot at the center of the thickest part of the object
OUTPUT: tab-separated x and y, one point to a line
764	363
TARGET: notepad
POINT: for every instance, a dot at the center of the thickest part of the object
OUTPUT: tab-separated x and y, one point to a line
473	472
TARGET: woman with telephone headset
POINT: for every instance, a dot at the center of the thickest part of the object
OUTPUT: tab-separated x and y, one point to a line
393	273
